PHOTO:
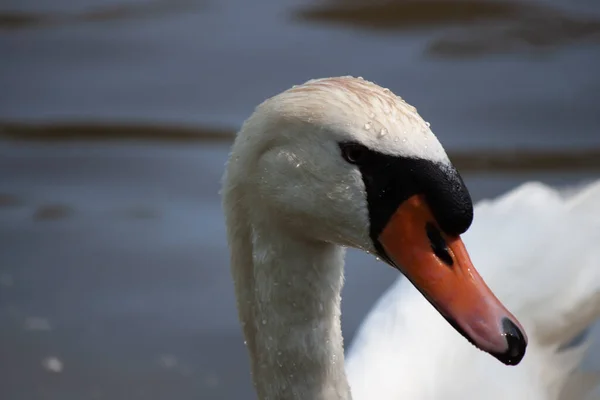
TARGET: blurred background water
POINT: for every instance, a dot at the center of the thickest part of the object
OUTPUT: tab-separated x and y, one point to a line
115	122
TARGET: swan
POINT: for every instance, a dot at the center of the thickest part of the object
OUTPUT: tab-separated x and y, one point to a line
342	162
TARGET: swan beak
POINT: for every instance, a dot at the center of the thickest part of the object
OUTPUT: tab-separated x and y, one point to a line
441	269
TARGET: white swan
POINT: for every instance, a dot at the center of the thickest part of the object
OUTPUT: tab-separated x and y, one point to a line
343	162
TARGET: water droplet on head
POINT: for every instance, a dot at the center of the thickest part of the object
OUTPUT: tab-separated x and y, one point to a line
382	132
427	124
264	321
372	115
403	140
368	126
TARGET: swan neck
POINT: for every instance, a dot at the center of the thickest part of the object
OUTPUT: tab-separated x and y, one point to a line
289	300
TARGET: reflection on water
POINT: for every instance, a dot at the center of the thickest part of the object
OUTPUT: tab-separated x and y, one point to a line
51	212
10	20
583	159
485	27
91	131
537	33
10	200
412	14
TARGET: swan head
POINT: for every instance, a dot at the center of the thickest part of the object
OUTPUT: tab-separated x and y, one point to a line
345	161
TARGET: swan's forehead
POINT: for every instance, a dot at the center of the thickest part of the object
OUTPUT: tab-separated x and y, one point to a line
361	111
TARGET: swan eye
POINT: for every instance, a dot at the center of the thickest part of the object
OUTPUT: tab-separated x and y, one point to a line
353	153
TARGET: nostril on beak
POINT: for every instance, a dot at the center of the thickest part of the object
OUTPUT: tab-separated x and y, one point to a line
515	339
438	244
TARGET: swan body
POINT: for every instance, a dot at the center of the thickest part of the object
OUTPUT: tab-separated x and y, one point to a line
536	247
340	162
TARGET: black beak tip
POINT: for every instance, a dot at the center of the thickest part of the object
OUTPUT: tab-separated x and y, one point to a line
516	341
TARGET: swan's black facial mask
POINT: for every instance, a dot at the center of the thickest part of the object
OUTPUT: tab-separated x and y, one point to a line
391	180
417	210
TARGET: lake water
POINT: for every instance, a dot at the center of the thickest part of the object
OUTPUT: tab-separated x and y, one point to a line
113	265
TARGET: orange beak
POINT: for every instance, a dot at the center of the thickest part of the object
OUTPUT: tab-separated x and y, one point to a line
440	268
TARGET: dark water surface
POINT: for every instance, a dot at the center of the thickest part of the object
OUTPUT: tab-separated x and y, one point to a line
196	62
